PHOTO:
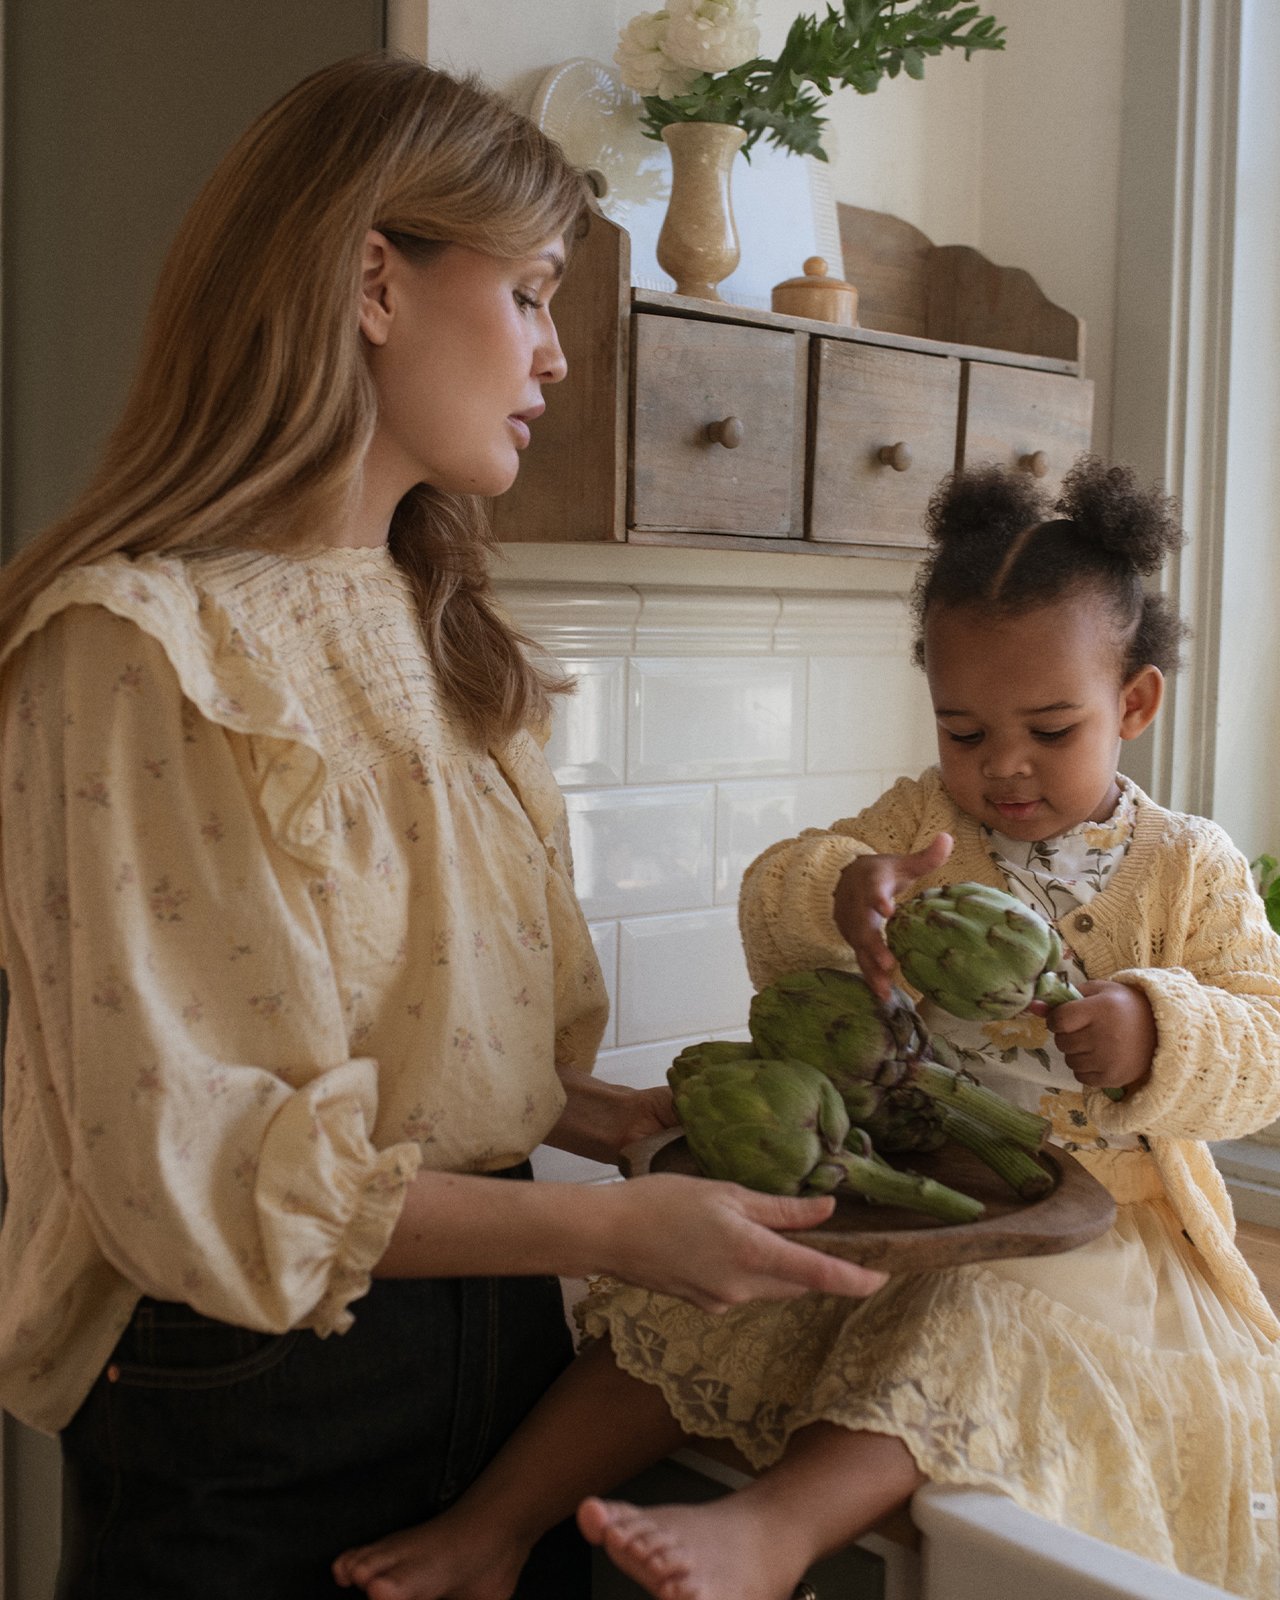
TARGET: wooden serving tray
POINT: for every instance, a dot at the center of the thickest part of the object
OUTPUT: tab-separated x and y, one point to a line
890	1239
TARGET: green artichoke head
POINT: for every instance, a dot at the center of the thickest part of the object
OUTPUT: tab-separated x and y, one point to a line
774	1125
709	1052
832	1020
977	952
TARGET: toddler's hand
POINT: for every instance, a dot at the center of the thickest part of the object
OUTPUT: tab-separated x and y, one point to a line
864	900
1109	1037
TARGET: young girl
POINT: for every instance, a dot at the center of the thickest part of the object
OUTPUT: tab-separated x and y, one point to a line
297	975
1131	1388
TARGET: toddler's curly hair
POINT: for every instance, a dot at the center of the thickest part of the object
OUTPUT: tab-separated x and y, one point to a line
999	545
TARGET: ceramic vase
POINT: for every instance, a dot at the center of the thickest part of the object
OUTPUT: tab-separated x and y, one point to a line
698	244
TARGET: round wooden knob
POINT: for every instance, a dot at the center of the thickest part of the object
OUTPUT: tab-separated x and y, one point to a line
897	456
1036	464
728	431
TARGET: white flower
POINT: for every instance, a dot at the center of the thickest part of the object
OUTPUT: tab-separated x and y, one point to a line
642	62
711	35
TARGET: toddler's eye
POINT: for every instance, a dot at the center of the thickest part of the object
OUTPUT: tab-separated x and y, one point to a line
1052	735
962	738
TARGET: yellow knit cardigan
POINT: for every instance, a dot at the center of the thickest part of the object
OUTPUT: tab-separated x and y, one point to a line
1179	919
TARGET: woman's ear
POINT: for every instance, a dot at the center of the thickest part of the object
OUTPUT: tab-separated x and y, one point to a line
1140	700
375	299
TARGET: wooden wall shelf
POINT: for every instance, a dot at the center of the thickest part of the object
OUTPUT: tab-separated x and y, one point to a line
693	422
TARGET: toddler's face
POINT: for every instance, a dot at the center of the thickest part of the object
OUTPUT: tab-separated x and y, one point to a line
1031	711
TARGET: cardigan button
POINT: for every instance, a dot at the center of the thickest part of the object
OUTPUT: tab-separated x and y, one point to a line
1084	922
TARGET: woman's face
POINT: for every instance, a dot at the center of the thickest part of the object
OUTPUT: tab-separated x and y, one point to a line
1031	711
460	346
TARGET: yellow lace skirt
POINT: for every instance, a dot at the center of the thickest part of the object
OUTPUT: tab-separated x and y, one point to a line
1109	1389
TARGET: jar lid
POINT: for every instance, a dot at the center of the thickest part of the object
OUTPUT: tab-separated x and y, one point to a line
815	277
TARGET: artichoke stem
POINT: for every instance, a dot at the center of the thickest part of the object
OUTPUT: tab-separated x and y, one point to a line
958	1091
1057	990
876	1180
1021	1171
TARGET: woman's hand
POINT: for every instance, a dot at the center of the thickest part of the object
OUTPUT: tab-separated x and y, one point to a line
865	896
601	1119
714	1244
1108	1037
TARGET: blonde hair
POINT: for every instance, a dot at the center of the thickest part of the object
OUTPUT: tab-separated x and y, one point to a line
252	406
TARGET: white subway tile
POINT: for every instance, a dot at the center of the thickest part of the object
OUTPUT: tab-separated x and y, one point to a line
604	936
640	850
749	818
588	743
695	718
706	622
822	624
680	976
866	713
582	619
830	797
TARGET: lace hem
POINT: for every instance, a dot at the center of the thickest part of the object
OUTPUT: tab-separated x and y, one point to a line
992	1385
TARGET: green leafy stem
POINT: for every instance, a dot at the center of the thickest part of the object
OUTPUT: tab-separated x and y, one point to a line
853	47
1268	871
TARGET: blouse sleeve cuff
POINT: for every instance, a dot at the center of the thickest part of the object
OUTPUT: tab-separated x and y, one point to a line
378	1201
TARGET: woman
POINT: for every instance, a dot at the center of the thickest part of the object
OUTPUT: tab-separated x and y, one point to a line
296	968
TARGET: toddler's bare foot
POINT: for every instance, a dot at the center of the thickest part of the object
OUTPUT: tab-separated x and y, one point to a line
449	1556
703	1552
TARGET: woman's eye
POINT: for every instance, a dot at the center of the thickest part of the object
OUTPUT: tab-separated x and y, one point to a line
527	301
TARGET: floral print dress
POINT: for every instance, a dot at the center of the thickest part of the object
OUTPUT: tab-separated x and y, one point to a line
1111	1389
1017	1055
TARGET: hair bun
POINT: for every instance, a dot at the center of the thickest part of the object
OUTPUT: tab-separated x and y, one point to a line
981	502
1139	526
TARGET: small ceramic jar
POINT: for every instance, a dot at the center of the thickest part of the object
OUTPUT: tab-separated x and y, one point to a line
818	296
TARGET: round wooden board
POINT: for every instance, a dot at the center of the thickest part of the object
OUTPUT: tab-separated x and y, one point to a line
890	1239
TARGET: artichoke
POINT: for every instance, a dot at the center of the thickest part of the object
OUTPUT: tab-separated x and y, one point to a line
780	1126
710	1052
832	1020
979	953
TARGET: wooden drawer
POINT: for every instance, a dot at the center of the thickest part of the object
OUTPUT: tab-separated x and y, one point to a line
873	408
1038	421
689	376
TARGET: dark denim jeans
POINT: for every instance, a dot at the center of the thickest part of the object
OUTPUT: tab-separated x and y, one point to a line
210	1462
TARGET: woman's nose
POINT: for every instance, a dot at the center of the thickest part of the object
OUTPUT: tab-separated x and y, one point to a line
549	362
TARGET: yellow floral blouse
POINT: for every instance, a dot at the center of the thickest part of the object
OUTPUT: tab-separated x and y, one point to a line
278	930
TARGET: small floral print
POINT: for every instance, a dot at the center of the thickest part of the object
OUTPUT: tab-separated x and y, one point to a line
421	1124
479	781
325	889
532	935
419	773
440	950
267	1006
131	679
212	829
239	950
413	833
193	1011
155	765
522	998
94	790
190	720
494	1039
109	993
126	876
464	1042
57	900
217	1083
166	902
1027	1031
479	944
414	1008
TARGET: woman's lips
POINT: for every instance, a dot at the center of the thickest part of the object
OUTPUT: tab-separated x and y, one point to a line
520	421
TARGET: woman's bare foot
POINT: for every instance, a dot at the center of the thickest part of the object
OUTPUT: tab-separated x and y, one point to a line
700	1552
453	1555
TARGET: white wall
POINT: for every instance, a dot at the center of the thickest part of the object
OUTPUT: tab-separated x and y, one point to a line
1015	153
